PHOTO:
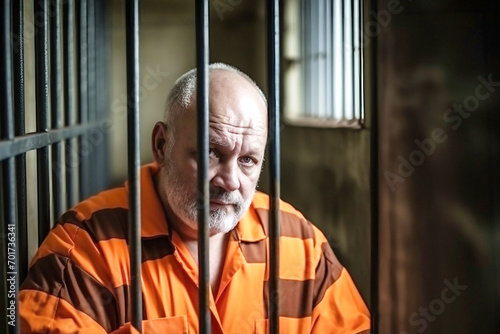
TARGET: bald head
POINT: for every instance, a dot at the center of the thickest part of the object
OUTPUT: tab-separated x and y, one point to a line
183	94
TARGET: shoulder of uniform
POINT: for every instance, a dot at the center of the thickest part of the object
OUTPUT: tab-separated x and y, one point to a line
261	201
103	216
293	222
107	199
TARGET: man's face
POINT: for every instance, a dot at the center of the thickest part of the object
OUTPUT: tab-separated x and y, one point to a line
237	139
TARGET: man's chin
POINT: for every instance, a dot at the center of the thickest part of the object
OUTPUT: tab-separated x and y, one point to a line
213	230
222	224
216	225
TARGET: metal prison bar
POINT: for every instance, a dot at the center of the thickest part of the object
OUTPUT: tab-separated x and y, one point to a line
71	124
273	74
133	132
202	60
69	67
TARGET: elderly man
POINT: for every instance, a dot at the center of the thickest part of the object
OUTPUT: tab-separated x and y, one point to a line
79	278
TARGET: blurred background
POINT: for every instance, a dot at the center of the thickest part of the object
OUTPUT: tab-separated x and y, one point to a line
390	136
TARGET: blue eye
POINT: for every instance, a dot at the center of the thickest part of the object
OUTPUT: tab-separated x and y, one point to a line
247	161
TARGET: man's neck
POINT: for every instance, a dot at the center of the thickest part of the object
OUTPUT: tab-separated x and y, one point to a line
217	253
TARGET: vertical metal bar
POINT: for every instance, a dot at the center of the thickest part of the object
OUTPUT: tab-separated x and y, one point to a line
101	88
342	51
91	84
336	88
374	178
133	135
19	119
321	73
57	119
273	72
202	74
352	114
356	77
314	38
328	55
309	52
348	65
42	113
84	149
8	172
361	25
333	50
91	60
69	91
304	56
99	107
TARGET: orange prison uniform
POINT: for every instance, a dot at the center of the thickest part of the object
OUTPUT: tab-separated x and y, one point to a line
79	279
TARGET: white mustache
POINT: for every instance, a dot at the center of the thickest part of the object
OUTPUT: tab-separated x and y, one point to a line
226	197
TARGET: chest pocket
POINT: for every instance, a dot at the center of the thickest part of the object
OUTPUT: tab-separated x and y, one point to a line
171	325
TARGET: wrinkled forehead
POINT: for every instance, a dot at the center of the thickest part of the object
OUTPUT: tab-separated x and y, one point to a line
230	131
235	101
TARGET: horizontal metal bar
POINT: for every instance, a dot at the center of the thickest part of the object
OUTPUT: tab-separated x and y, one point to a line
33	141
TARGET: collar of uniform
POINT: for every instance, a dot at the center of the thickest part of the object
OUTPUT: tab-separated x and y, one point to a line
154	222
251	227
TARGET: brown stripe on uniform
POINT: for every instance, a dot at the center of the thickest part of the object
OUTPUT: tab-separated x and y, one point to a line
327	272
58	276
156	248
291	224
254	252
295	298
69	217
103	224
122	303
112	224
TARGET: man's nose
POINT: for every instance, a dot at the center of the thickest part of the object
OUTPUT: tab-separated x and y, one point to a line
226	176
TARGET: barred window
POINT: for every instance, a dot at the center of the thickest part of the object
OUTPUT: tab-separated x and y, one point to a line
323	66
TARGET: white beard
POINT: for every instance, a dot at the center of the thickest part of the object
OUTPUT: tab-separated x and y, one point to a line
183	203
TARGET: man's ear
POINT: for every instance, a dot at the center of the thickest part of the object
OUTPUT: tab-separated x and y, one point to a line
159	141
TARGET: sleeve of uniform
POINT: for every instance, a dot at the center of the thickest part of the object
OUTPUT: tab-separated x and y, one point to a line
338	306
69	287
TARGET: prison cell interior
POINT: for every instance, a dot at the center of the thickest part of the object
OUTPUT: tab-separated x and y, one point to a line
440	224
